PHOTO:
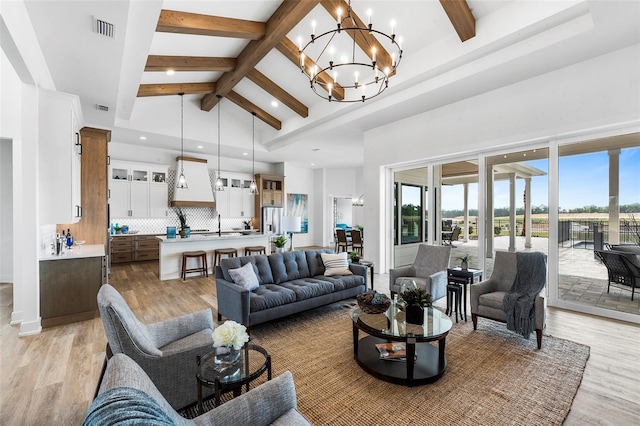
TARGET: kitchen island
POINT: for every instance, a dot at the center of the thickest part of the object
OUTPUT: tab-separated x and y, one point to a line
171	249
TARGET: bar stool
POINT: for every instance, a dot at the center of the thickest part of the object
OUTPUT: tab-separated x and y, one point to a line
248	251
454	299
202	255
218	253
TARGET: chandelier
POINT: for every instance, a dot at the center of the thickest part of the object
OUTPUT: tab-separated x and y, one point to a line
338	70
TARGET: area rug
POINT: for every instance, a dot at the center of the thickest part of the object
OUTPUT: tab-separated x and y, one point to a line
493	376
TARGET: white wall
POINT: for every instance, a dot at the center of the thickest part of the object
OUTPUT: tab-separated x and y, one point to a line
6	211
575	101
298	180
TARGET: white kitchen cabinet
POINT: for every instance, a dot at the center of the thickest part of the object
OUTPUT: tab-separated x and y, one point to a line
235	200
59	151
137	190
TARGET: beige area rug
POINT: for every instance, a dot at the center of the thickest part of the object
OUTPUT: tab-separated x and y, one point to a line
493	376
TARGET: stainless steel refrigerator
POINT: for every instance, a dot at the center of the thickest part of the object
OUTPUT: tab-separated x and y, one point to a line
272	220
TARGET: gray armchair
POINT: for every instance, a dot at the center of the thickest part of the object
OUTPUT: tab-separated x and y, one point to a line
429	271
487	297
166	350
273	402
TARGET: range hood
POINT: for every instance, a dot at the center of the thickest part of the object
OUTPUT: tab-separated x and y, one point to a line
199	192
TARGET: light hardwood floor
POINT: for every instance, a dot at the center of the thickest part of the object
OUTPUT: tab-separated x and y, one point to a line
50	378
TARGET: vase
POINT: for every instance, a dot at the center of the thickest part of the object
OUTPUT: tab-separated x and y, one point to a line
464	265
415	314
226	356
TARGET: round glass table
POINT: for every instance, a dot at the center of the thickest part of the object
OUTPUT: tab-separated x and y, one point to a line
421	362
253	362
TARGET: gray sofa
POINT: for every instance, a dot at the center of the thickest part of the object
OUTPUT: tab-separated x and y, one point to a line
128	396
290	282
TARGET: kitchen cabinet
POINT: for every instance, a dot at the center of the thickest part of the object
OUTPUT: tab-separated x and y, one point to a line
69	286
134	248
59	157
235	200
138	190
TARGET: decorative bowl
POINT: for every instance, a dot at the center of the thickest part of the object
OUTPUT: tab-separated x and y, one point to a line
372	302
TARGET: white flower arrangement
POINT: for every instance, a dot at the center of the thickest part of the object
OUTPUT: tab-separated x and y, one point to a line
230	334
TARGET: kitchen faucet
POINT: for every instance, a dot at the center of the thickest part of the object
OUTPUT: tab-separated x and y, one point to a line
219	231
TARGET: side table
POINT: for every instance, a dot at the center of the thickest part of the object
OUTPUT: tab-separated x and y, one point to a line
253	362
369	265
463	277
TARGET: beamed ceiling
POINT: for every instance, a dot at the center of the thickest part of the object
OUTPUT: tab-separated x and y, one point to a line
262	38
237	57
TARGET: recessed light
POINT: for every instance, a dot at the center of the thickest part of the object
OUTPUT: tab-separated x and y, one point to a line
274	104
143	138
170	72
200	146
313	164
245	153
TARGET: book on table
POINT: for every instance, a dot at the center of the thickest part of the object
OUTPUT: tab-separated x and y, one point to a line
392	351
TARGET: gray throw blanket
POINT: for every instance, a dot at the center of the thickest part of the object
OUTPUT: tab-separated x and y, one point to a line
518	304
127	407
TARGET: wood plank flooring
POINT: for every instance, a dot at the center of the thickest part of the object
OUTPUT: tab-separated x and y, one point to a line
50	378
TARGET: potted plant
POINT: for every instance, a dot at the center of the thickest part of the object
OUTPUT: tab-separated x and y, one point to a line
414	299
183	222
354	256
464	262
280	242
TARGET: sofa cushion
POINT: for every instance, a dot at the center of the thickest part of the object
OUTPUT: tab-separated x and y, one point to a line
342	282
288	266
306	288
269	296
262	267
245	276
125	405
335	264
314	260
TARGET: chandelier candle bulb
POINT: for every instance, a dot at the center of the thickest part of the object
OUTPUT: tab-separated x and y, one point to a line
313	29
339	13
369	17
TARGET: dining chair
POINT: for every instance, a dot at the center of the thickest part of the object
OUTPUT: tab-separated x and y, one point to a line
356	241
341	234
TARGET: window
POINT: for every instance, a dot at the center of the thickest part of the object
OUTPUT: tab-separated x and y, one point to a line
411	214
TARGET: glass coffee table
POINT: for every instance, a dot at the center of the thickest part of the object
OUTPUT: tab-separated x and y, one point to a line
424	362
253	362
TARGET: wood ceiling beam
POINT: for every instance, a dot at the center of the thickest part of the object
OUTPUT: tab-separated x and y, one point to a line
270	87
291	52
461	17
189	63
248	106
283	20
174	88
365	41
172	21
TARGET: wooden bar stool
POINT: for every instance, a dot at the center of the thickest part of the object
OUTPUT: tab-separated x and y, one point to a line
218	253
194	254
248	251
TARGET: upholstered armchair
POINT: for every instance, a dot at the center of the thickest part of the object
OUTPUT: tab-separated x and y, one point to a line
128	395
429	271
166	350
487	297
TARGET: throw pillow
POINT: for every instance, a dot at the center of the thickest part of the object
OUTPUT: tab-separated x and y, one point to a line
245	276
335	264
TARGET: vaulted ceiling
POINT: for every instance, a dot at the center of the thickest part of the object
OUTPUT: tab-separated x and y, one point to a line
245	52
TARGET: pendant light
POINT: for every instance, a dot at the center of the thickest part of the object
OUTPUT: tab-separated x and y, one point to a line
253	188
219	185
182	181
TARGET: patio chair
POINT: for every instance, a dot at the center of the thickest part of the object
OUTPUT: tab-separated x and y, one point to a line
622	267
165	350
429	271
453	236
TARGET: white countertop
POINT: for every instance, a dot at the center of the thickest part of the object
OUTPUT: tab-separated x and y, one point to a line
208	237
77	252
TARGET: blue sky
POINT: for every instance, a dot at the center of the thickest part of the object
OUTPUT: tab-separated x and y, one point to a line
584	180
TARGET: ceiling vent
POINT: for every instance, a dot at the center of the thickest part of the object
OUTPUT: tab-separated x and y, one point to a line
102	107
104	28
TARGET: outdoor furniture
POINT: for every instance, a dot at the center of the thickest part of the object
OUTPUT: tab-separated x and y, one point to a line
622	268
166	350
487	297
429	271
450	237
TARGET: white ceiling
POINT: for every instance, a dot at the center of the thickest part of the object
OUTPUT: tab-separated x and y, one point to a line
515	40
